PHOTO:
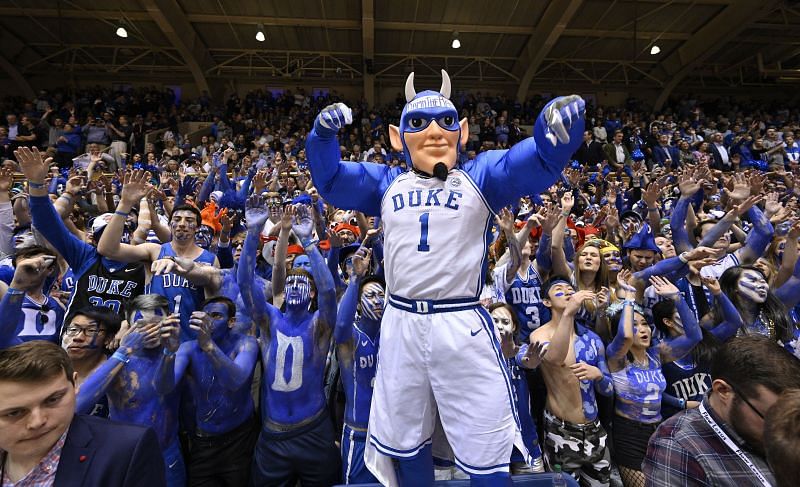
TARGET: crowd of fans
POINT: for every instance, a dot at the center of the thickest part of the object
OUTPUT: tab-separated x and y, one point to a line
165	270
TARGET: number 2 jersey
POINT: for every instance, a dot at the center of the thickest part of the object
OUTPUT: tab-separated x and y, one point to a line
184	297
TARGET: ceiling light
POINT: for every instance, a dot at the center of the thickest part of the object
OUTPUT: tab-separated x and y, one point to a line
260	37
121	32
456	43
654	50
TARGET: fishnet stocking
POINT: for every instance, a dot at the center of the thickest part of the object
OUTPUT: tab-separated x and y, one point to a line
631	478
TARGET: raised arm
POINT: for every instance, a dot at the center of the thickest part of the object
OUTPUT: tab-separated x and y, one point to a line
44	215
303	226
232	373
758	239
560	341
175	357
346	316
281	249
605	385
789	293
621	344
505	221
96	385
671	349
731	322
335	179
135	187
533	164
256	214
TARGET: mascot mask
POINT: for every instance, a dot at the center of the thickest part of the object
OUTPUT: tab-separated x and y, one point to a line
430	133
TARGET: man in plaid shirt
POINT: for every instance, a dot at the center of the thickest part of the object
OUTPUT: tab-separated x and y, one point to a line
721	442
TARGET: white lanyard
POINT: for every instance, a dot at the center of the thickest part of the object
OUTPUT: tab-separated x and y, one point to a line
738	451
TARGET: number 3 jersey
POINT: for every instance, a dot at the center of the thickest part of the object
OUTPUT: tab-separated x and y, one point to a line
435	233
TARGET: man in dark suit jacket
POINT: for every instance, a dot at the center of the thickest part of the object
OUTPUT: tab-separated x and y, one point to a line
44	441
590	153
664	154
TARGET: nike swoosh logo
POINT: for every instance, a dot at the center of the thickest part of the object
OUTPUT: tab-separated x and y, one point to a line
473	333
364	344
129	270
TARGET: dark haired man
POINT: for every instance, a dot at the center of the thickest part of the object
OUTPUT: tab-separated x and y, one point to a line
101	281
722	441
43	441
129	380
782	438
27	312
219	365
574	369
183	272
87	337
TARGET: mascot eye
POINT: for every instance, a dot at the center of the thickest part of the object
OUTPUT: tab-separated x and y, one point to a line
448	121
416	123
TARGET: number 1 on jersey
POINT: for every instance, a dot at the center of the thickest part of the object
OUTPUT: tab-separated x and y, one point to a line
423	239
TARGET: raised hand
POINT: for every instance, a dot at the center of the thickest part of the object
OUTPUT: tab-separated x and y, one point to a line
133	340
688	184
171	332
303	224
664	288
560	114
260	181
507	345
650	195
361	259
712	284
575	301
286	218
135	186
256	212
33	164
623	280
75	185
773	204
187	187
333	117
696	265
30	272
200	322
741	187
505	221
567	202
534	355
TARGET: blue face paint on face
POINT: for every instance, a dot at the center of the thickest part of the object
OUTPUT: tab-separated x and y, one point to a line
372	301
218	312
203	237
148	315
302	262
298	290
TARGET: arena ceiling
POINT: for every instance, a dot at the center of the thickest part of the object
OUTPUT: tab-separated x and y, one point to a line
516	44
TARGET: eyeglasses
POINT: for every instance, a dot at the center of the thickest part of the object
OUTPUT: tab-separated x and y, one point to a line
736	391
88	332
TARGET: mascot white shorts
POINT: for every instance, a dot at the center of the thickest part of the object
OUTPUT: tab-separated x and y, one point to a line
441	357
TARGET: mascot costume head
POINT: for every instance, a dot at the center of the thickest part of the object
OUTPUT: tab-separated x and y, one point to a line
430	133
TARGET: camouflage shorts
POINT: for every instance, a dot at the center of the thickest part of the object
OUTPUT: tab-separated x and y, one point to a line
579	449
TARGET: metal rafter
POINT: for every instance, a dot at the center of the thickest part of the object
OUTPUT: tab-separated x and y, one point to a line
554	21
171	19
731	21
